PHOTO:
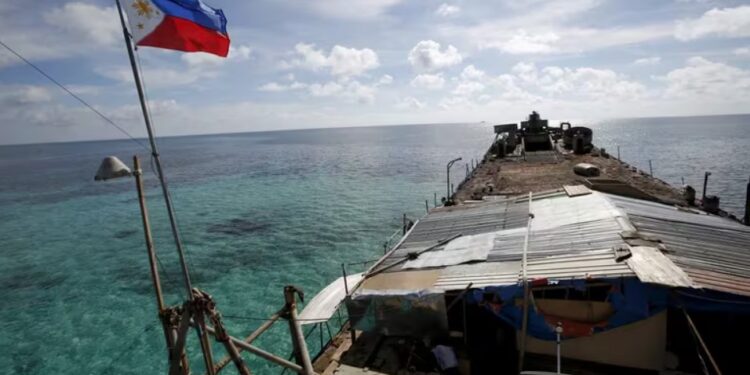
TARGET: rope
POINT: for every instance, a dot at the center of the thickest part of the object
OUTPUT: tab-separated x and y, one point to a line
71	93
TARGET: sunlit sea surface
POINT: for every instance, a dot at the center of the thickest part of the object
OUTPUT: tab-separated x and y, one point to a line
257	211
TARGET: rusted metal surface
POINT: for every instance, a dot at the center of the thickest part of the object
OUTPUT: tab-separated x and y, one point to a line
714	251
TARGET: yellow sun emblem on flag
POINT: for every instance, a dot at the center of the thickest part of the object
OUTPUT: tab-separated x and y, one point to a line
144	8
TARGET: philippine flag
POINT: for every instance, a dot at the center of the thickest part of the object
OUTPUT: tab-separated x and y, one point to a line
183	25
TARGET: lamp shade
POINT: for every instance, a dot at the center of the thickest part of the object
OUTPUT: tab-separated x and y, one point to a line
110	168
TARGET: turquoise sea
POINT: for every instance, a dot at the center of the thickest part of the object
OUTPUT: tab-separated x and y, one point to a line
257	211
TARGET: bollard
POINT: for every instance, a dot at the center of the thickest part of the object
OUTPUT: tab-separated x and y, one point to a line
650	168
435	198
427	205
618	153
747	204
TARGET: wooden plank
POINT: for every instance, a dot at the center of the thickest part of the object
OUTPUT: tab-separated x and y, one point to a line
576	190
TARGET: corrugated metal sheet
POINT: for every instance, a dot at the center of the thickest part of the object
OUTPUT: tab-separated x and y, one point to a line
652	266
713	251
592	264
573	237
479	275
467	220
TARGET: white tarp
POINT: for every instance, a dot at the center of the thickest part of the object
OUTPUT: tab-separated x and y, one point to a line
463	249
322	307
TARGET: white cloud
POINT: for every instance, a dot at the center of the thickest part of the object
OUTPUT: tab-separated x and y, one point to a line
472	73
428	81
582	83
447	10
743	51
468	88
206	60
24	95
647	60
278	87
427	56
703	78
725	22
385	80
341	61
90	21
524	43
157	77
410	102
351	62
352	91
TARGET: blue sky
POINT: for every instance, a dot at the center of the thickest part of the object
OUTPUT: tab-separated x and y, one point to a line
330	63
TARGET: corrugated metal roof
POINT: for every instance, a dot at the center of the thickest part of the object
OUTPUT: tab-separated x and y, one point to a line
714	251
574	237
479	275
466	220
592	264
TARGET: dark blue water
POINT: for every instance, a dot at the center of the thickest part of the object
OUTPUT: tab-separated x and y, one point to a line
257	211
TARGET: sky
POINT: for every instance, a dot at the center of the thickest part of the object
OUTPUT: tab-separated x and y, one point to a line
333	63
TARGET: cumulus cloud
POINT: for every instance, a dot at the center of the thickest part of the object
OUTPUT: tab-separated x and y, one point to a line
707	79
349	90
89	21
428	56
647	60
743	51
428	81
447	10
724	22
410	102
468	88
470	72
523	42
340	61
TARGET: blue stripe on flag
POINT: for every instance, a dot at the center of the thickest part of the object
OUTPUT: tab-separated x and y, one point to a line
195	11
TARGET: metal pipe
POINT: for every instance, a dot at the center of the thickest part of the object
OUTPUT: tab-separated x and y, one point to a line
448	178
262	353
250	338
524	262
705	185
346	285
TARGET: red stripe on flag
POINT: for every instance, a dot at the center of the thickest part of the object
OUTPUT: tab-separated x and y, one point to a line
182	35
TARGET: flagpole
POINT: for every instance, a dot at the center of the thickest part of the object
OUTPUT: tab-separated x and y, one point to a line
155	154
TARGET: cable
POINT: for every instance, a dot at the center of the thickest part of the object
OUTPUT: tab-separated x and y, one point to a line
86	104
130	348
